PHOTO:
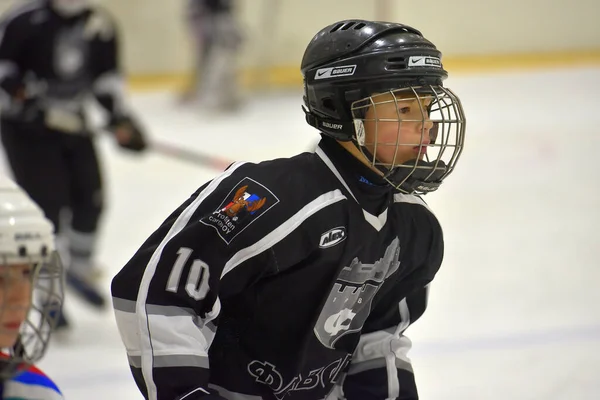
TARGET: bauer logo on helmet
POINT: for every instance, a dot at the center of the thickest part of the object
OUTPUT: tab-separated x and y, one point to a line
424	61
332	72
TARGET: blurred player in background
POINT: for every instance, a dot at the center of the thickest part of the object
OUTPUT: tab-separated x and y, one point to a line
28	264
217	41
296	278
54	56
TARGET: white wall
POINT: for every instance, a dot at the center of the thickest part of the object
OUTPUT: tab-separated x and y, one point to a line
277	31
155	40
467	27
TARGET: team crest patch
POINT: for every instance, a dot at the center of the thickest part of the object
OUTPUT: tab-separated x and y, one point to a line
247	202
349	303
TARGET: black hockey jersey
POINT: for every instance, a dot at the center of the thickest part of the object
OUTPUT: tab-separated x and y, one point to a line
293	278
57	62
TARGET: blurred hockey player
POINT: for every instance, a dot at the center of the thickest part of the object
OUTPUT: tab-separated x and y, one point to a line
217	40
297	278
28	265
54	55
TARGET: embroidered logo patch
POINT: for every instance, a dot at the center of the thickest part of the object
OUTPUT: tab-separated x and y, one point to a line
332	237
247	202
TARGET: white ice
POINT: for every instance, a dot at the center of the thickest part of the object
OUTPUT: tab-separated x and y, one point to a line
514	312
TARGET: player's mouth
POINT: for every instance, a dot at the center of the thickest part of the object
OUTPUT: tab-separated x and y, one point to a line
12	326
421	149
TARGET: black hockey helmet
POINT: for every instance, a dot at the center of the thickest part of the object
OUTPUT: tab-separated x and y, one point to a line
348	62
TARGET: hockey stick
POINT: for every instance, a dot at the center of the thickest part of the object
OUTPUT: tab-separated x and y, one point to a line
165	149
194	157
183	154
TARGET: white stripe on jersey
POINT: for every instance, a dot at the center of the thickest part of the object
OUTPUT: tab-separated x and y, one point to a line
190	339
143	320
113	84
192	392
376	221
333	169
387	349
188	348
128	329
412	199
398	351
404	316
284	229
229	395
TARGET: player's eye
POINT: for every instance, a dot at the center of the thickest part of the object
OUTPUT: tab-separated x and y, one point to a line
404	110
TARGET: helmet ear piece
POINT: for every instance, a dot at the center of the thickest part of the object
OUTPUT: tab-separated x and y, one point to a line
339	130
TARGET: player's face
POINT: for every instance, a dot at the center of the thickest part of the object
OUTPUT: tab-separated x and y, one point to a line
15	300
397	127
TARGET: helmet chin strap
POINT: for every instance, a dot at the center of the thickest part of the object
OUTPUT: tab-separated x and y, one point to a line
412	175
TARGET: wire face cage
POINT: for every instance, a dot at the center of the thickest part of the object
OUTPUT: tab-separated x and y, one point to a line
31	295
414	135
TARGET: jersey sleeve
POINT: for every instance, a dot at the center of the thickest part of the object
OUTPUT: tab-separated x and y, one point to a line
31	384
380	367
167	298
109	82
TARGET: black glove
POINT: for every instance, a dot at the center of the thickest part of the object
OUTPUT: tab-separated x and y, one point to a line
128	134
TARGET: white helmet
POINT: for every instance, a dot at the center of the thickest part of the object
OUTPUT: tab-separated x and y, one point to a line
70	8
24	230
26	237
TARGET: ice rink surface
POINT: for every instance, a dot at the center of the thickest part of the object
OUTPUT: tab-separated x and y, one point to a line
514	312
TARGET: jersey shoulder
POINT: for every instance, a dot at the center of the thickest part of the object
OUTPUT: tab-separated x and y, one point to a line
250	201
32	384
401	199
294	182
24	16
101	24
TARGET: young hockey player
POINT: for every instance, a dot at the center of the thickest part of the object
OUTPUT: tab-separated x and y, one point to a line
28	263
297	278
54	54
217	42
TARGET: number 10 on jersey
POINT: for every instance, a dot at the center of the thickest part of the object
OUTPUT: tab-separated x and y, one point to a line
197	281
